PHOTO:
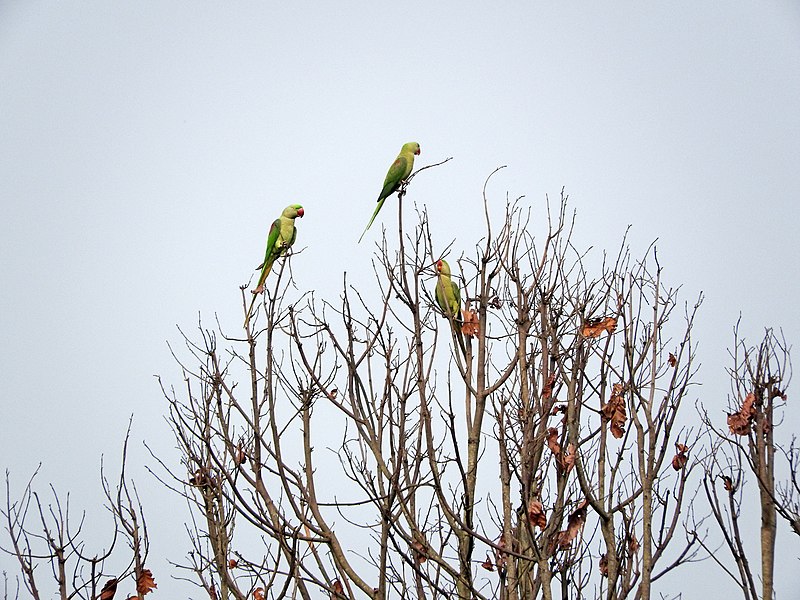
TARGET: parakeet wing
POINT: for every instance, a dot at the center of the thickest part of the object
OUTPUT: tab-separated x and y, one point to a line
272	239
395	175
456	296
448	296
440	299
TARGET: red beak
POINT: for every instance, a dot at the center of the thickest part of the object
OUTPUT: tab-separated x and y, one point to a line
418	152
300	212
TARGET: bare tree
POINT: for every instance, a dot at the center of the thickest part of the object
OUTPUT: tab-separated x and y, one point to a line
49	545
759	378
531	444
576	385
376	447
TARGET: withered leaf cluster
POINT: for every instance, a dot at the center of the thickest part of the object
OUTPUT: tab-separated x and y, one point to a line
593	328
145	582
203	479
109	589
614	411
500	557
565	459
536	516
337	589
547	390
680	458
633	546
728	483
741	422
488	564
470	326
575	524
420	551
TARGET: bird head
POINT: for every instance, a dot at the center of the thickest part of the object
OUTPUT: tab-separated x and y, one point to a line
412	147
293	210
442	267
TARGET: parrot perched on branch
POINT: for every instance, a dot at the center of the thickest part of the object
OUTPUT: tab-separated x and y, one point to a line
448	296
398	172
282	235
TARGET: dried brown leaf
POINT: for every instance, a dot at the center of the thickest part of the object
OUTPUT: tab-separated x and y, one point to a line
202	479
603	565
615	412
633	543
145	582
536	516
567	461
109	589
337	589
500	556
233	563
728	483
593	328
420	552
470	326
547	390
552	441
575	523
672	360
564	461
488	564
199	478
258	593
680	458
740	422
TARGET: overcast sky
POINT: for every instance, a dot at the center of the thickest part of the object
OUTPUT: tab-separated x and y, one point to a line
146	146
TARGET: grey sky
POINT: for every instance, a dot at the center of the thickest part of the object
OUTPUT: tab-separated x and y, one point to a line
146	146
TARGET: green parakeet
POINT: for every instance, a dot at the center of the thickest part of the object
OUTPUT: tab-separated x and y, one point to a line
282	235
448	296
398	172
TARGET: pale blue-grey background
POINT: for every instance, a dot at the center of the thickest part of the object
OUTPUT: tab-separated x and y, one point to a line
146	146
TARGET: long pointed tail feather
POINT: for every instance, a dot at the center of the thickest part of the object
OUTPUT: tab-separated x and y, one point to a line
250	311
259	288
375	214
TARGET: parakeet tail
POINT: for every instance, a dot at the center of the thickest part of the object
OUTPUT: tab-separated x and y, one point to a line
375	214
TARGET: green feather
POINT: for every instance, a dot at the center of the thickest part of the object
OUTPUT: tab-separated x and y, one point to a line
401	168
282	234
448	295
